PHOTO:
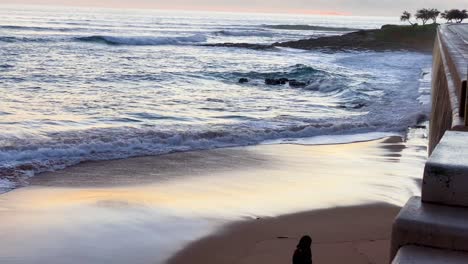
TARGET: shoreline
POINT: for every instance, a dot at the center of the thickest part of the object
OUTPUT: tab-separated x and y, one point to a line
10	185
147	209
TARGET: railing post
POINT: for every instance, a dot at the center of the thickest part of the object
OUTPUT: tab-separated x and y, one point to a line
465	98
465	89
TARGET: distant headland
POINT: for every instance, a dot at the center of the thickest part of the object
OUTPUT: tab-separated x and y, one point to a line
388	37
413	37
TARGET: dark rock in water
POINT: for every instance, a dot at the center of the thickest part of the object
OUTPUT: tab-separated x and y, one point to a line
352	106
269	81
294	83
241	45
243	80
273	81
359	106
422	118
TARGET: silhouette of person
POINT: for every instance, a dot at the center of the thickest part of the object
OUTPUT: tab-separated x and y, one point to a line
303	253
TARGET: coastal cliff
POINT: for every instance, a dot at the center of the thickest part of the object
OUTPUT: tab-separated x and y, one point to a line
431	225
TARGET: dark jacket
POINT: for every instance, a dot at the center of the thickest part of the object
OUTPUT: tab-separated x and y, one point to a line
302	256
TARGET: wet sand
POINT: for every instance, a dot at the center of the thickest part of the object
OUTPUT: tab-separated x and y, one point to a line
149	209
352	235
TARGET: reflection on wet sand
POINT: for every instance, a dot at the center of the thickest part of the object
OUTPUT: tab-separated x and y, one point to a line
142	210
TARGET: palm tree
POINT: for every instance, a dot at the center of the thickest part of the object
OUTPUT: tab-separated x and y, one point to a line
406	16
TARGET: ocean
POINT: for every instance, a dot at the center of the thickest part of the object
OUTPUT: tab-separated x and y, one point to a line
83	84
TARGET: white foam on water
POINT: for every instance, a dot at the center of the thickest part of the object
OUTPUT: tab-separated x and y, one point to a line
6	185
333	139
145	40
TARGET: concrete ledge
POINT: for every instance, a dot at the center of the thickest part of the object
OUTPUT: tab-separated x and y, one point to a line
425	255
430	225
446	172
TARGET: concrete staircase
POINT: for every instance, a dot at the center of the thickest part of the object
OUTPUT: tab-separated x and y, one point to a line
423	255
433	228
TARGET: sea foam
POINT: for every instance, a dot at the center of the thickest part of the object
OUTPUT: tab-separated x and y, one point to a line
60	150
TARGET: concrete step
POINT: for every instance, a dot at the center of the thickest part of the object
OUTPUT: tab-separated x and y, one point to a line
446	172
430	225
425	255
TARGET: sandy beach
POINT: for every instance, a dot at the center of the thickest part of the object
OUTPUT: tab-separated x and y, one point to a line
355	234
234	205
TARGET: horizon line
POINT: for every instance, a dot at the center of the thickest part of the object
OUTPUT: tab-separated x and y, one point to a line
196	9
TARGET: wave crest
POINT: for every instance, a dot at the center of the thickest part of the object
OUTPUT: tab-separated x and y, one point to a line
144	40
63	149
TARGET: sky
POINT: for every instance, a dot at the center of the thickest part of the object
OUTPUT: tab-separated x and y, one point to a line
334	7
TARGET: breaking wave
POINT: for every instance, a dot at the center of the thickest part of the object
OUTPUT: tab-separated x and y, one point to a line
145	40
62	149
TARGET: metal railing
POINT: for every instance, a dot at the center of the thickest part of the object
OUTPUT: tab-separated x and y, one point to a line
464	103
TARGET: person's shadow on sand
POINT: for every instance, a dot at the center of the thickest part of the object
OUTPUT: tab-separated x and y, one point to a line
303	253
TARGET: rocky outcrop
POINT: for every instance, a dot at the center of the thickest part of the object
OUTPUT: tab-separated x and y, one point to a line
240	45
389	37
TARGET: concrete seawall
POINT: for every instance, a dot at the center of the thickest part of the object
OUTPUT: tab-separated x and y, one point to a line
449	82
433	228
